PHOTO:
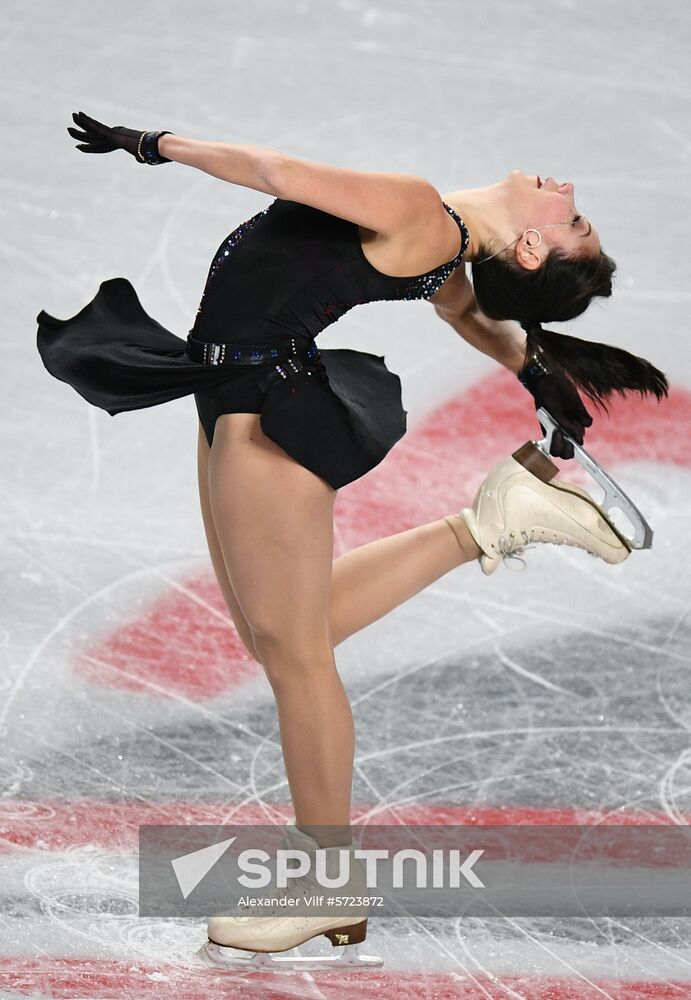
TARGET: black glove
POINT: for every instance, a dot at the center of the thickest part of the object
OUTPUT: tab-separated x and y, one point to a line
99	138
559	396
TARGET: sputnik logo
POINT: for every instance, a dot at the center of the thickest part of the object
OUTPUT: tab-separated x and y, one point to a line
190	869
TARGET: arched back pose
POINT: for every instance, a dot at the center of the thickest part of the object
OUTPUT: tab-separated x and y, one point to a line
284	424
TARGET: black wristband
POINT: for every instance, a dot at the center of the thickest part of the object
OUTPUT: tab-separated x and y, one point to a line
148	148
533	369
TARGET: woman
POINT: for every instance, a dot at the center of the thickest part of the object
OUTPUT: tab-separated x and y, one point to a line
283	425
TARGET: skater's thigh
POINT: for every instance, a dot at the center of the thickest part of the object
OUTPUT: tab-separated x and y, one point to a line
274	520
214	545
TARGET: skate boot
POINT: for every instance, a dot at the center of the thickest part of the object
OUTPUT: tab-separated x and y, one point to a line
515	506
274	931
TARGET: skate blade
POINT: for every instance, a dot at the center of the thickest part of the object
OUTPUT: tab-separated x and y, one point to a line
614	499
227	960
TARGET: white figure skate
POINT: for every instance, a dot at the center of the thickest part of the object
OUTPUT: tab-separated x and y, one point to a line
519	502
261	936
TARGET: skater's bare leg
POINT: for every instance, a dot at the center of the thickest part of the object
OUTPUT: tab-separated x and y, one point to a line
217	561
274	524
368	581
371	580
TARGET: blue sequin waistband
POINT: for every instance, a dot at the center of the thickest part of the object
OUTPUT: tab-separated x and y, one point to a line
245	354
289	363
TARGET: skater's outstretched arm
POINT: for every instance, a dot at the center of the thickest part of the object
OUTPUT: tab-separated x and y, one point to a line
386	203
401	206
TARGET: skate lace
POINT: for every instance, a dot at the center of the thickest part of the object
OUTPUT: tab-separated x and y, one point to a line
510	548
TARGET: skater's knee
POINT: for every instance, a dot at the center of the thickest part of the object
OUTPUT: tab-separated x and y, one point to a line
289	656
274	645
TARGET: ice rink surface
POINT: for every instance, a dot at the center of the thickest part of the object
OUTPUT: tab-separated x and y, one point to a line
559	694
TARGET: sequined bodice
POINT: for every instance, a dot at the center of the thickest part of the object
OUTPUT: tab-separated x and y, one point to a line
292	269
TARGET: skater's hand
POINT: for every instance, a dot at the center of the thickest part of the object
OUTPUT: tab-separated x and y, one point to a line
559	396
98	138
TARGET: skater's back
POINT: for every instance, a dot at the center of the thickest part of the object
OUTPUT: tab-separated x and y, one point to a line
294	269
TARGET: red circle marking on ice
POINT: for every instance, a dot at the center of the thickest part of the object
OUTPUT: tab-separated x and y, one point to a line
180	647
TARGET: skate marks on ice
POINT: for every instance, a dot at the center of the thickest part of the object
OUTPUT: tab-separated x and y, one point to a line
447	732
557	694
105	725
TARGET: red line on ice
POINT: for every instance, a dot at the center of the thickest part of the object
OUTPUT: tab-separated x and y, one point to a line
82	978
58	825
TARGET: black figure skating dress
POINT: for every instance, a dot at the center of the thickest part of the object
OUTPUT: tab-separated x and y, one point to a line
274	284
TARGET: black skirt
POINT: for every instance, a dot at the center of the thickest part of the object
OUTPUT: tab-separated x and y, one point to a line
118	358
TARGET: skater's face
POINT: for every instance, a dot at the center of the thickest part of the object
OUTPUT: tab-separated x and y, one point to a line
535	203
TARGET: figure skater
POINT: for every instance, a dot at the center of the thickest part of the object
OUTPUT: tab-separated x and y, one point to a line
283	425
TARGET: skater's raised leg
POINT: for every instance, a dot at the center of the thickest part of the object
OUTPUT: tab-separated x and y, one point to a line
374	578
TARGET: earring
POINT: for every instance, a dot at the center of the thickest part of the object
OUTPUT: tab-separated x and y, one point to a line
539	238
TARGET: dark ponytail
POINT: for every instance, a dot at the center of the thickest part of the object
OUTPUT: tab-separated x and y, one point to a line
598	369
561	289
